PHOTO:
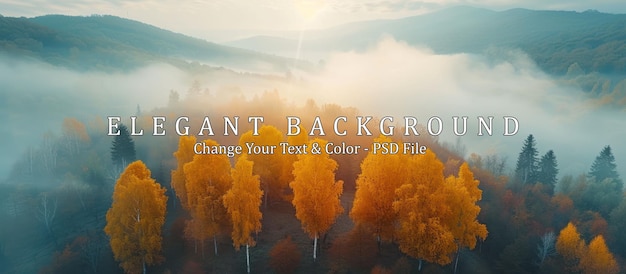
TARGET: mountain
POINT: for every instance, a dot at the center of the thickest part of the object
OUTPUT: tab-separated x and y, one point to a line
554	39
111	43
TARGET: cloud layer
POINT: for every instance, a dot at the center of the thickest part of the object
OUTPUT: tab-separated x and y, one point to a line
397	79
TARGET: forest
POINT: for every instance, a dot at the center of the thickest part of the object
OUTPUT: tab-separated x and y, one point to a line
74	199
79	201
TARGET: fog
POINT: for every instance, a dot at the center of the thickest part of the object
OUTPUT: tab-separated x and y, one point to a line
397	79
35	98
391	79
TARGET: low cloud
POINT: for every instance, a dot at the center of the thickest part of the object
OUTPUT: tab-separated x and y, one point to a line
397	79
392	78
36	97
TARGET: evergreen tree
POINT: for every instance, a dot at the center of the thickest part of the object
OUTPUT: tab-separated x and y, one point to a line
526	169
604	167
123	148
548	170
605	189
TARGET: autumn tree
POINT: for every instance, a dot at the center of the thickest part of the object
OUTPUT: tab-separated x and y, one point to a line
381	175
526	168
420	203
380	270
285	256
288	159
436	216
356	249
316	193
135	219
598	259
570	245
268	166
122	148
207	178
183	155
66	261
242	202
463	194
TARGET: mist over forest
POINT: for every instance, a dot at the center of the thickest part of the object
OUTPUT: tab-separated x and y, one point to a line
60	81
408	81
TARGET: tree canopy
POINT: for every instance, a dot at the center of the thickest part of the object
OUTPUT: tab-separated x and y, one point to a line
135	219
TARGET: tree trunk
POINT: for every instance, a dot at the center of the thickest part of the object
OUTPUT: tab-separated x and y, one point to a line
248	256
456	261
215	243
419	268
267	191
144	267
315	248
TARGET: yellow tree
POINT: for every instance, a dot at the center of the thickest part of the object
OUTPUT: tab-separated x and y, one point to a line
288	159
598	259
316	193
381	175
570	245
207	178
183	155
420	205
135	219
268	166
463	193
242	203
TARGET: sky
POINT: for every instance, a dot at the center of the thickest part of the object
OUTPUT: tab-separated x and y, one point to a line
209	19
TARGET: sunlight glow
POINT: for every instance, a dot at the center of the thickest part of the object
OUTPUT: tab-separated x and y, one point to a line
308	9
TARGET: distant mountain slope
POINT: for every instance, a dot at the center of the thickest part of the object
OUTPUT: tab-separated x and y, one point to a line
554	39
109	42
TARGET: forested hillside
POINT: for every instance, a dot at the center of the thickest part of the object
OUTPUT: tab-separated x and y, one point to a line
554	39
113	43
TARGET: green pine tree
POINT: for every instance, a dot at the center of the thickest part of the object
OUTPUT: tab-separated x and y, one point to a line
604	167
605	189
527	166
123	148
548	170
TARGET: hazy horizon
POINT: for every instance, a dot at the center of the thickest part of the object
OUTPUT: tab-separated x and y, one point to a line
222	21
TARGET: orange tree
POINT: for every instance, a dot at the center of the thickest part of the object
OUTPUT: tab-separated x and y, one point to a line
183	155
316	193
207	178
268	166
381	175
135	219
242	203
436	216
